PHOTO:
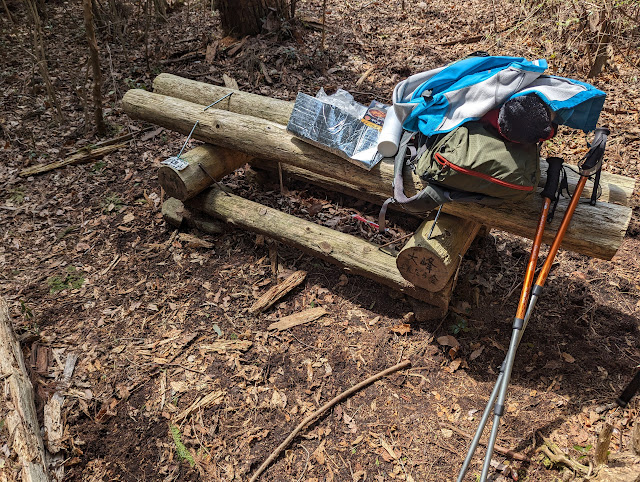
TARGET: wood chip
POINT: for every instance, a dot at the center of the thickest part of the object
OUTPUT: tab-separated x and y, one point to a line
300	318
223	346
278	291
230	82
212	398
194	241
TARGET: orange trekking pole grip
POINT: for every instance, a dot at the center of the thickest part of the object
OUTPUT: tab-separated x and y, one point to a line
566	220
548	194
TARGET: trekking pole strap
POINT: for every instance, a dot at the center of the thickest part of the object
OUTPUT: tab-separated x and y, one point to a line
592	160
553	177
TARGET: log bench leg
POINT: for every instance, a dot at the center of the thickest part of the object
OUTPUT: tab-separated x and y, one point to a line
353	254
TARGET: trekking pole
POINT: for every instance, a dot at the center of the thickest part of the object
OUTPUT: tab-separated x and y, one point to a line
589	165
548	195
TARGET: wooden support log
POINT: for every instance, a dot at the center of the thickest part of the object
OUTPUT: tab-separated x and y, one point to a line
176	214
275	110
22	421
429	263
615	188
353	254
205	164
596	231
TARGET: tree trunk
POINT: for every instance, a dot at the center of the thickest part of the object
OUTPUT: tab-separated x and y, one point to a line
245	17
596	231
41	56
353	254
255	105
95	64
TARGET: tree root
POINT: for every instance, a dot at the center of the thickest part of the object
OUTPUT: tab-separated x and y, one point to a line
558	457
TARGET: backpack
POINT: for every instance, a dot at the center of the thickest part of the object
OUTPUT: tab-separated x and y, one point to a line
471	163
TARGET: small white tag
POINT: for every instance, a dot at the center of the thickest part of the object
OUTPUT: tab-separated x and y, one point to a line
175	162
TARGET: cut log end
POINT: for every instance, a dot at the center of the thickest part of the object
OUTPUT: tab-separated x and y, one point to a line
430	258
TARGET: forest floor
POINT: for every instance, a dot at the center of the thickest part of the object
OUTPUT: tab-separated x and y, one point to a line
89	267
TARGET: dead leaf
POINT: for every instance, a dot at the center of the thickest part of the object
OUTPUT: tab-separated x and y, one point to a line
350	422
401	329
230	82
454	365
394	454
278	399
448	340
476	353
212	51
447	433
318	453
568	358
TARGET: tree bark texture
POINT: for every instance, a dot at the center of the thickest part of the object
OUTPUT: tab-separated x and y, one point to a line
95	65
429	262
615	188
22	421
353	254
596	231
245	17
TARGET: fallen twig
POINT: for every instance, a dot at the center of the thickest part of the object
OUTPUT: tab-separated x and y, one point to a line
497	448
80	157
84	154
274	455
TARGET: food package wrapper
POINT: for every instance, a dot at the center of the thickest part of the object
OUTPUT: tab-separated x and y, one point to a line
339	125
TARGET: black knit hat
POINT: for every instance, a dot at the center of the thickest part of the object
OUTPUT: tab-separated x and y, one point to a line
525	119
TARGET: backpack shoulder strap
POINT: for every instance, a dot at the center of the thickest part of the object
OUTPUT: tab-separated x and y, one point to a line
422	202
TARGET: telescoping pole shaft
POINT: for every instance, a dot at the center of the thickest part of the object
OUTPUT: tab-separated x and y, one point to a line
519	325
549	192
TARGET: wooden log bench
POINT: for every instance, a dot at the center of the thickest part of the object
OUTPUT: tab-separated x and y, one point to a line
250	128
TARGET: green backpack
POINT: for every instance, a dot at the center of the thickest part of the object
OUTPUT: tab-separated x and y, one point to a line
472	163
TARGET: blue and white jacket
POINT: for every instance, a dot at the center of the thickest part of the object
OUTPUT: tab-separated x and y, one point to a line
442	99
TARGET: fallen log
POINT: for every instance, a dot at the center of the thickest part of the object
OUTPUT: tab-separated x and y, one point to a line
206	164
429	261
596	231
22	421
353	254
615	188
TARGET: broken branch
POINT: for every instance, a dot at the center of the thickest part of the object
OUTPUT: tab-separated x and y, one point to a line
274	455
